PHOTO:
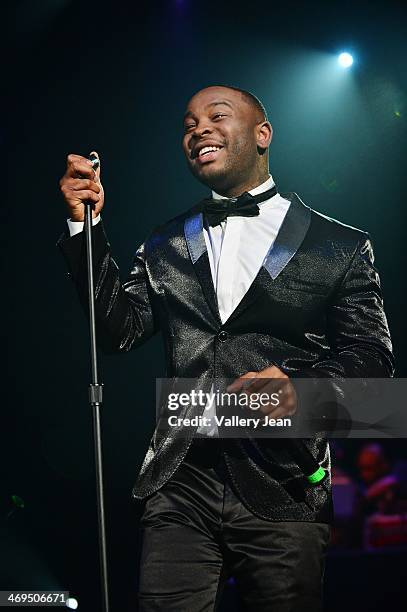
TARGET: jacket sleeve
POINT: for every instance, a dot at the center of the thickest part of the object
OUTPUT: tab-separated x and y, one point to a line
357	328
360	348
124	312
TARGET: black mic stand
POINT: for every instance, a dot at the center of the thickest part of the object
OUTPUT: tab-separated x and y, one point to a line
95	400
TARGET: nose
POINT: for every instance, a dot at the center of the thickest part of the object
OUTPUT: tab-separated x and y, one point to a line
201	129
199	132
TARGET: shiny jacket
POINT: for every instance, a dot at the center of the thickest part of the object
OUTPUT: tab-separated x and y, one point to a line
314	309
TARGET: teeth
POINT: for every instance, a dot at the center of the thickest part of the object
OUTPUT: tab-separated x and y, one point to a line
208	149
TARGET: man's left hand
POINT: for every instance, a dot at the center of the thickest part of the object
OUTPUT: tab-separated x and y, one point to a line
271	380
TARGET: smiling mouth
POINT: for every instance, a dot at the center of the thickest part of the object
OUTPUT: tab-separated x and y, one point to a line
207	154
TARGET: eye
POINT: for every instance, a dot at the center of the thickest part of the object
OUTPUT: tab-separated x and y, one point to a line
218	115
188	127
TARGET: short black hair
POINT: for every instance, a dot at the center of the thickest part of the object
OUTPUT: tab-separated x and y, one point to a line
250	99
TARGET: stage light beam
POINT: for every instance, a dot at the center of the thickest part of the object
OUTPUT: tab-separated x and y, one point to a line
345	60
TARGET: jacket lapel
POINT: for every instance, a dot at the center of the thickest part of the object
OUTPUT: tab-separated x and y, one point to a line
288	240
292	233
194	236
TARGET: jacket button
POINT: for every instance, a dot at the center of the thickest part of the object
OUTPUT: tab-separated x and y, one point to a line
223	336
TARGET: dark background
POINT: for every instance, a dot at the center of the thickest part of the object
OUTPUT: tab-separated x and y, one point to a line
115	77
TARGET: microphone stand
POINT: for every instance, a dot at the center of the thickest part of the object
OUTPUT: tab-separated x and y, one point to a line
95	400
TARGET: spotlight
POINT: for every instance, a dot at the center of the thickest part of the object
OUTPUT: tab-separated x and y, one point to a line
72	603
345	60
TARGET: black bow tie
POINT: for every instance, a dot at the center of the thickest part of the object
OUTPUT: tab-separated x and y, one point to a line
245	205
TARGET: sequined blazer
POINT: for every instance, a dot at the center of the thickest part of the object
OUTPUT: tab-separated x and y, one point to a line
314	309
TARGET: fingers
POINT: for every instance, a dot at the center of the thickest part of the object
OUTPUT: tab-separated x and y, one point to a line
79	190
276	381
261	379
79	167
85	194
272	383
241	382
81	184
287	403
72	184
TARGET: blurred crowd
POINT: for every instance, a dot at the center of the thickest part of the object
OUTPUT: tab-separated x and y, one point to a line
370	497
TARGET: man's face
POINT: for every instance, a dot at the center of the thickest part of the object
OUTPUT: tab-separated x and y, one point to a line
372	466
220	142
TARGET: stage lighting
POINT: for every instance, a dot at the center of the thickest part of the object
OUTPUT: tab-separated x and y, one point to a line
72	603
345	60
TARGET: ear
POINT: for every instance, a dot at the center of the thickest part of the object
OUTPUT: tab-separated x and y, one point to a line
264	133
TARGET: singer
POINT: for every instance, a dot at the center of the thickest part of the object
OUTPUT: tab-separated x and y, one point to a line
247	283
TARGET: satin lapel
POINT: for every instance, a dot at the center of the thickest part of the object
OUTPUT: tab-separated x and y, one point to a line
194	236
289	238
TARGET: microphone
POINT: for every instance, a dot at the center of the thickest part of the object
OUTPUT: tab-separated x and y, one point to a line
95	161
95	165
309	466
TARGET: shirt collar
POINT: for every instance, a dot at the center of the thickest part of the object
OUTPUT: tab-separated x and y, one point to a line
268	184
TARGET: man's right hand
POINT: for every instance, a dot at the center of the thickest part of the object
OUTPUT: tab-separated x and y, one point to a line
80	183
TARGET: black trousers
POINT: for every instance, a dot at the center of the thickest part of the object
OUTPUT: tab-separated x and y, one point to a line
196	534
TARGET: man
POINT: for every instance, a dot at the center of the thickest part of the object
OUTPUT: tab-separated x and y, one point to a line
259	287
381	486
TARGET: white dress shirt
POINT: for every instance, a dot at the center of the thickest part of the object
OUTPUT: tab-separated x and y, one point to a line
236	249
238	246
